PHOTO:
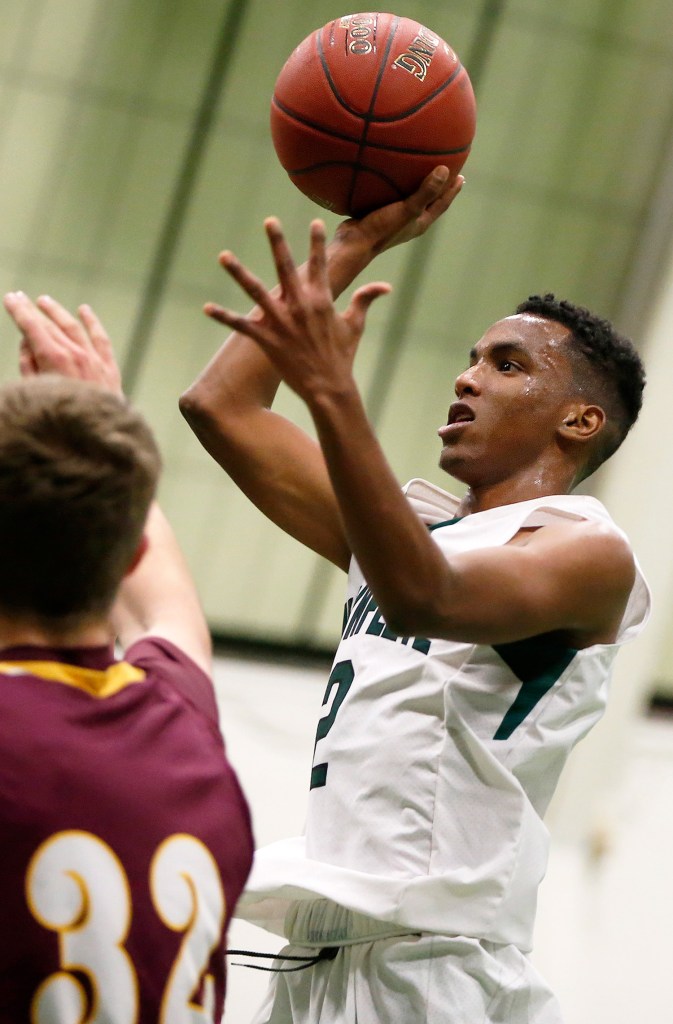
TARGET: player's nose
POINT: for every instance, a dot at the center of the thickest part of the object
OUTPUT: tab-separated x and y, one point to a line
467	382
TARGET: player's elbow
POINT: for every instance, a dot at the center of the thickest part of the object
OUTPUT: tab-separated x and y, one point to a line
409	617
205	415
195	407
226	435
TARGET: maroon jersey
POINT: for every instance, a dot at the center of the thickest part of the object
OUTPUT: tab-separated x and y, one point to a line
125	839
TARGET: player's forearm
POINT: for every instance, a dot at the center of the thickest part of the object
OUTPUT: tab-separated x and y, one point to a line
223	404
407	574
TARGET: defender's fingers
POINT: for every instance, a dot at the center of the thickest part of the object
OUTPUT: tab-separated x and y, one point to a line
63	319
23	310
40	335
97	334
27	365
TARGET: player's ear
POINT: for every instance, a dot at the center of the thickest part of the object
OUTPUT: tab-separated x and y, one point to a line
138	554
582	422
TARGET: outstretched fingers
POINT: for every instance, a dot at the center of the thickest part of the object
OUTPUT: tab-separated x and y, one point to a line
95	331
43	345
27	363
101	352
250	284
288	278
274	306
54	341
247	325
63	319
356	314
317	257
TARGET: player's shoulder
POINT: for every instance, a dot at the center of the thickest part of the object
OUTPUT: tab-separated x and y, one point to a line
599	532
593	544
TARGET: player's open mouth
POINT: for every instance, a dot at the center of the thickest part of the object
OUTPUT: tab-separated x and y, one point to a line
460	413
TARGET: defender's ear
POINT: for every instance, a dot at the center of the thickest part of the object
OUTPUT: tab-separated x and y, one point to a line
139	552
582	423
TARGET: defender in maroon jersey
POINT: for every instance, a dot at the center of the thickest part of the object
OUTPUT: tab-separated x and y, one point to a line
125	839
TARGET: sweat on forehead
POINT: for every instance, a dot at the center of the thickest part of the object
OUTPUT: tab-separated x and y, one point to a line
533	323
525	333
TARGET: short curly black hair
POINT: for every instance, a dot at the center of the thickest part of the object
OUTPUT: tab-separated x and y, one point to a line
617	369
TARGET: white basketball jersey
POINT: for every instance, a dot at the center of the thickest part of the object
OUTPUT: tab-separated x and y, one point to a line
435	760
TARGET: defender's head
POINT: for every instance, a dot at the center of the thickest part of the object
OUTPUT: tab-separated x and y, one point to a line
78	471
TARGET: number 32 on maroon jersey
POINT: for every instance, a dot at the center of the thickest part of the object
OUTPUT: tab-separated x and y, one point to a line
76	886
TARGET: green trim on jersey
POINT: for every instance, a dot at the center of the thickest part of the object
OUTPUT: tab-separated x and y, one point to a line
446	522
538	661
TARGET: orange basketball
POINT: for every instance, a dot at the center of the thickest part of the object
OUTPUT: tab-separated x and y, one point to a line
366	106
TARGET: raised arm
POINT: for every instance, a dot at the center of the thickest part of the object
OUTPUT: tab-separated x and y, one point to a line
276	464
572	579
158	597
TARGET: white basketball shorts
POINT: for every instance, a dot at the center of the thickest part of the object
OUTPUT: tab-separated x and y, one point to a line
406	979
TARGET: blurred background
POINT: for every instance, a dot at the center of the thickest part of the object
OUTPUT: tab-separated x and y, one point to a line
134	145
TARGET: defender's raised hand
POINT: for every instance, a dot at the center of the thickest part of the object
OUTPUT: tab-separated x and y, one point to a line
54	341
310	344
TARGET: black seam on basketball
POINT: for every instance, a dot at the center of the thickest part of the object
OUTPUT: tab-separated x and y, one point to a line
346	163
330	81
333	134
419	106
367	117
380	146
382	68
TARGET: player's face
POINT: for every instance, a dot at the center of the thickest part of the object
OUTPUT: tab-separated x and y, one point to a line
510	401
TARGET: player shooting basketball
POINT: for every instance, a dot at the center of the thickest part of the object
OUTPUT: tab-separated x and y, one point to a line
478	635
124	837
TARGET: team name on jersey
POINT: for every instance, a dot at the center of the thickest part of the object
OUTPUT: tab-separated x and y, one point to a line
361	614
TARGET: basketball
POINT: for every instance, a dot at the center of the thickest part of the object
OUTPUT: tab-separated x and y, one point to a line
366	107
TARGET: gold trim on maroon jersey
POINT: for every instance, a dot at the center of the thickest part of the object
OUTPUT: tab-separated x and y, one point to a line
98	683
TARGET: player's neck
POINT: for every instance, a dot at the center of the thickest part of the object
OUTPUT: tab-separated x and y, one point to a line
25	632
525	486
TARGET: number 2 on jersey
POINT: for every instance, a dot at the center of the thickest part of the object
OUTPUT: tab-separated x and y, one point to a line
341	676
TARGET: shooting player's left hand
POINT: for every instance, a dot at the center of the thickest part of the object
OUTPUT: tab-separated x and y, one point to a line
310	344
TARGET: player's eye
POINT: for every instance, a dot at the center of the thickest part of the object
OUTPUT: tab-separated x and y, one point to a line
508	365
